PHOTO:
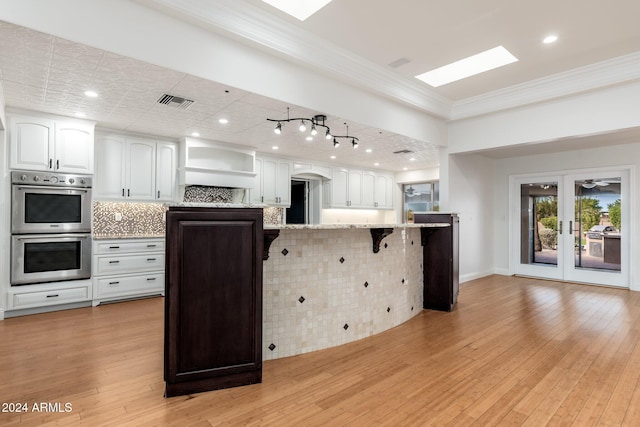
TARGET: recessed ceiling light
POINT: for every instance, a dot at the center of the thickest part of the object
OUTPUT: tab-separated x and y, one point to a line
368	150
298	9
404	169
332	157
551	38
412	159
376	164
90	94
475	64
80	114
196	134
223	121
275	147
309	138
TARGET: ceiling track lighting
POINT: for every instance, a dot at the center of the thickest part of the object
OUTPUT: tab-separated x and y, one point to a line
319	120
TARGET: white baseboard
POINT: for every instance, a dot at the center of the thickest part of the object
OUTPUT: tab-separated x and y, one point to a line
501	271
473	276
1	314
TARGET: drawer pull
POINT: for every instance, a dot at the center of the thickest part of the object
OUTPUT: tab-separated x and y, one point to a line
151	259
114	283
114	262
114	247
151	279
53	296
151	246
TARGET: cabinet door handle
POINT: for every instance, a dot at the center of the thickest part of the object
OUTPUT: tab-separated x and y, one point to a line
261	198
151	279
560	227
158	194
128	192
114	262
53	296
57	164
151	259
123	192
570	227
50	163
151	246
114	283
114	247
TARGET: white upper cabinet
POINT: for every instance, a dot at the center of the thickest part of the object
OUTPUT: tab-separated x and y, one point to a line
73	147
135	169
273	182
44	144
140	165
383	193
353	188
166	163
110	167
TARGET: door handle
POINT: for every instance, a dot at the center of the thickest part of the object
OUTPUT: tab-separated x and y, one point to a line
560	227
570	227
57	164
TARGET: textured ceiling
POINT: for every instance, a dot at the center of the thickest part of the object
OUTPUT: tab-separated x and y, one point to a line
44	73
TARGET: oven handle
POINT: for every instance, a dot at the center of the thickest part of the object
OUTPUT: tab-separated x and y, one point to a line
50	187
52	236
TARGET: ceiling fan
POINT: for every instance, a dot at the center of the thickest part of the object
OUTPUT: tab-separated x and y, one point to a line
590	183
410	192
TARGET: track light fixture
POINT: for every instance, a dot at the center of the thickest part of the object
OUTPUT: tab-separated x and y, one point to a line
319	120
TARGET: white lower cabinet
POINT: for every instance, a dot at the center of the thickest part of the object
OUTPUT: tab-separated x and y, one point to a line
127	268
49	294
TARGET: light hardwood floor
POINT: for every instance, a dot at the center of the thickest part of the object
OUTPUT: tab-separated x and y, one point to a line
515	351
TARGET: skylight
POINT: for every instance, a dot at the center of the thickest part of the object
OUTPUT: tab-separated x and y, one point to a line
301	9
475	64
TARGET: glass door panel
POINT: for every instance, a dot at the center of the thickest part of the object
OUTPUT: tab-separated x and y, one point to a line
598	210
539	228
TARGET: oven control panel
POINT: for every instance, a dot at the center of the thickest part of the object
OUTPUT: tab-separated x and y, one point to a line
57	180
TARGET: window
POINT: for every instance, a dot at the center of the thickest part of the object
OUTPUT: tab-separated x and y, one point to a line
420	197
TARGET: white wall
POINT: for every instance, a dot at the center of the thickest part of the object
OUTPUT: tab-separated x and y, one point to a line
612	156
471	192
358	216
4	205
130	29
601	111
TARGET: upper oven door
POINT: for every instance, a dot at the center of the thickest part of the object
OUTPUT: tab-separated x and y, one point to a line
41	209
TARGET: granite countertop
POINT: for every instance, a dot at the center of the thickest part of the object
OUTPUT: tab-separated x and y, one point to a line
347	226
126	236
215	205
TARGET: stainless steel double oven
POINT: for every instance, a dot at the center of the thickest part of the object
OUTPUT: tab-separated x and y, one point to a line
50	227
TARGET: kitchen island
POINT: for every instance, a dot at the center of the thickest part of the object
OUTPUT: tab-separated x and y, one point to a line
329	284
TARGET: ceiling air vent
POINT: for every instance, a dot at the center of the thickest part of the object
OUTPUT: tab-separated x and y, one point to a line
175	101
405	151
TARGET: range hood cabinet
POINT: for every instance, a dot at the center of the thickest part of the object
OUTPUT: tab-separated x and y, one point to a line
215	164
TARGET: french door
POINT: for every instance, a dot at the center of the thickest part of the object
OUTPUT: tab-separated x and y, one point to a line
572	227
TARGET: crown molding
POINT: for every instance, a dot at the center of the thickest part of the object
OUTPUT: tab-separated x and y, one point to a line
590	77
245	22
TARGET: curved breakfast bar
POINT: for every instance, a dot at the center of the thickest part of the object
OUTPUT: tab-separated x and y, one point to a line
329	284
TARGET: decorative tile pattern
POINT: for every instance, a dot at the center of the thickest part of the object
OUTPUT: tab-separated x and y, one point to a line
206	194
301	299
135	219
337	295
272	346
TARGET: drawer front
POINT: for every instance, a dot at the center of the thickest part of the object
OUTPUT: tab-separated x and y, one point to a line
130	285
129	263
115	246
53	297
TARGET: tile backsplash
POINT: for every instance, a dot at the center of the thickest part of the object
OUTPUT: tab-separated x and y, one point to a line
126	219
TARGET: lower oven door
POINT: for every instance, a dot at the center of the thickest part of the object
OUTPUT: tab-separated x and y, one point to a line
40	258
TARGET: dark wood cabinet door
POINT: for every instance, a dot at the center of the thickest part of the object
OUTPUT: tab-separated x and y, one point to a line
213	319
440	261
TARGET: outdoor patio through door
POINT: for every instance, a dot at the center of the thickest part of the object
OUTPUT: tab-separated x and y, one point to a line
572	227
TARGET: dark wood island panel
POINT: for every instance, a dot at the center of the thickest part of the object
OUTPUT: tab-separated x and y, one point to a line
213	304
